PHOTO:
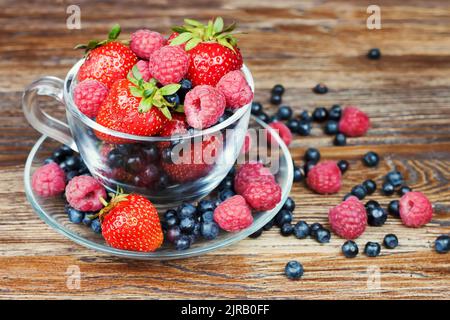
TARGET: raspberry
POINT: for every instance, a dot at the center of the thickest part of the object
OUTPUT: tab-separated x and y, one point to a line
203	106
169	64
144	42
262	194
83	193
233	214
283	131
250	172
348	219
354	122
235	88
142	66
324	178
415	209
88	96
48	180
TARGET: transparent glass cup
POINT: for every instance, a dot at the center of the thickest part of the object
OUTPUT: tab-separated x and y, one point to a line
143	168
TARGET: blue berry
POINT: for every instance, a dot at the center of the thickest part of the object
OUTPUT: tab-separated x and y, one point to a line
293	125
173	234
284	113
226	194
167	155
359	191
370	186
304	128
343	165
171	221
371	159
205	205
277	89
348	195
72	163
340	140
257	108
371	204
207	216
186	210
287	229
308	166
331	127
350	249
87	219
320	88
394	208
335	112
403	190
276	99
442	244
96	226
294	270
374	54
187	224
320	114
264	117
387	189
305	116
376	216
283	217
312	155
269	225
372	249
289	204
313	229
298	174
395	178
322	235
74	215
116	159
301	230
49	160
71	174
183	242
227	183
390	241
256	234
170	213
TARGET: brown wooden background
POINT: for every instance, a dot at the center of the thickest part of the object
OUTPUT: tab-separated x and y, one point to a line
298	44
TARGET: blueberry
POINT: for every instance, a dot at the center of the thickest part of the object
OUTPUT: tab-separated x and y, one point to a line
150	152
322	235
301	230
87	219
49	160
305	116
312	154
75	216
289	204
372	204
61	153
125	149
257	108
275	99
183	242
340	139
359	191
209	230
390	241
374	54
293	125
371	159
96	226
256	234
207	216
308	166
395	178
372	249
335	112
320	88
343	165
167	155
170	213
442	244
135	164
298	174
232	172
269	225
331	127
370	186
186	85
173	99
320	114
403	190
71	174
284	113
387	189
163	180
304	128
264	117
283	217
73	162
187	225
186	210
376	216
348	195
225	116
226	194
173	233
394	208
83	169
205	205
171	221
293	270
350	249
227	183
313	228
277	89
116	159
287	229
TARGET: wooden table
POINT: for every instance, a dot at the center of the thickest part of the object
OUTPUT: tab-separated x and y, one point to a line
298	44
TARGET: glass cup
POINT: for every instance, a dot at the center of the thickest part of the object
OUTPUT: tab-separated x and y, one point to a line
167	170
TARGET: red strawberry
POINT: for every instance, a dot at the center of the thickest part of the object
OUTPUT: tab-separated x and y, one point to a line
176	126
107	60
212	50
131	222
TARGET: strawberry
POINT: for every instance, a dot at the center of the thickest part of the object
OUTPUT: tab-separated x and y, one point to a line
176	126
135	107
131	222
212	50
108	60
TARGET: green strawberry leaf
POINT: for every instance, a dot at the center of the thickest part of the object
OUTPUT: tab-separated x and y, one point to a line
169	89
182	38
229	28
166	112
193	22
132	79
146	104
209	30
135	91
225	43
218	25
178	29
192	43
136	73
114	33
147	92
179	108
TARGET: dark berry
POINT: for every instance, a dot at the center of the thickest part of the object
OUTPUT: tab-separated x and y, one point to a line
312	154
49	160
359	191
74	215
225	194
403	190
186	210
442	244
264	117
286	229
207	216
395	178
394	208
187	225
150	152
163	180
298	174
275	99
350	249
73	163
171	221
374	54
205	205
186	85
331	127
372	249
173	233
308	166
71	174
225	116
166	155
183	242
348	195
256	234
340	139
371	159
173	99
371	204
269	225
289	204
170	213
293	270
335	112
313	229
257	108
87	219
390	241
96	225
370	186
387	189
376	216
116	159
343	165
320	114
301	230
322	235
277	89
320	88
135	164
61	153
284	113
209	230
283	217
305	116
304	128
293	125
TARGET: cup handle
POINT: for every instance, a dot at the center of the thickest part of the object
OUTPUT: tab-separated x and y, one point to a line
39	119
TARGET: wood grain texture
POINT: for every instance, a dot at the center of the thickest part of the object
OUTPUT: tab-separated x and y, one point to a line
298	44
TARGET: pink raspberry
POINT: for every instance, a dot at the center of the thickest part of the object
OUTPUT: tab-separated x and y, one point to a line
415	209
354	122
348	219
262	194
249	172
83	193
247	143
48	180
233	214
235	88
324	178
89	95
169	64
142	66
282	130
203	106
144	42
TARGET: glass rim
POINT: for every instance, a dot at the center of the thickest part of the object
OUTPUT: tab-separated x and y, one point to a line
71	107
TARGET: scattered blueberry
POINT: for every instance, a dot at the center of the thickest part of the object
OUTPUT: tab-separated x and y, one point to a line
359	191
370	186
301	230
49	160
264	117
187	224
96	226
257	108
294	270
87	219
289	204
322	235
376	216
350	249
394	208
308	166
374	54
183	242
207	216
283	217
305	116
371	159
293	125
395	178
286	229
205	205
331	127
390	241
320	88
173	99
372	249
269	225
343	165
403	190
335	112
186	210
298	174
340	139
275	99
387	189
74	215
348	195
312	154
166	155
284	113
225	194
256	234
116	159
173	234
304	128
71	174
372	204
277	89
314	227
442	244
209	230
274	118
320	114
